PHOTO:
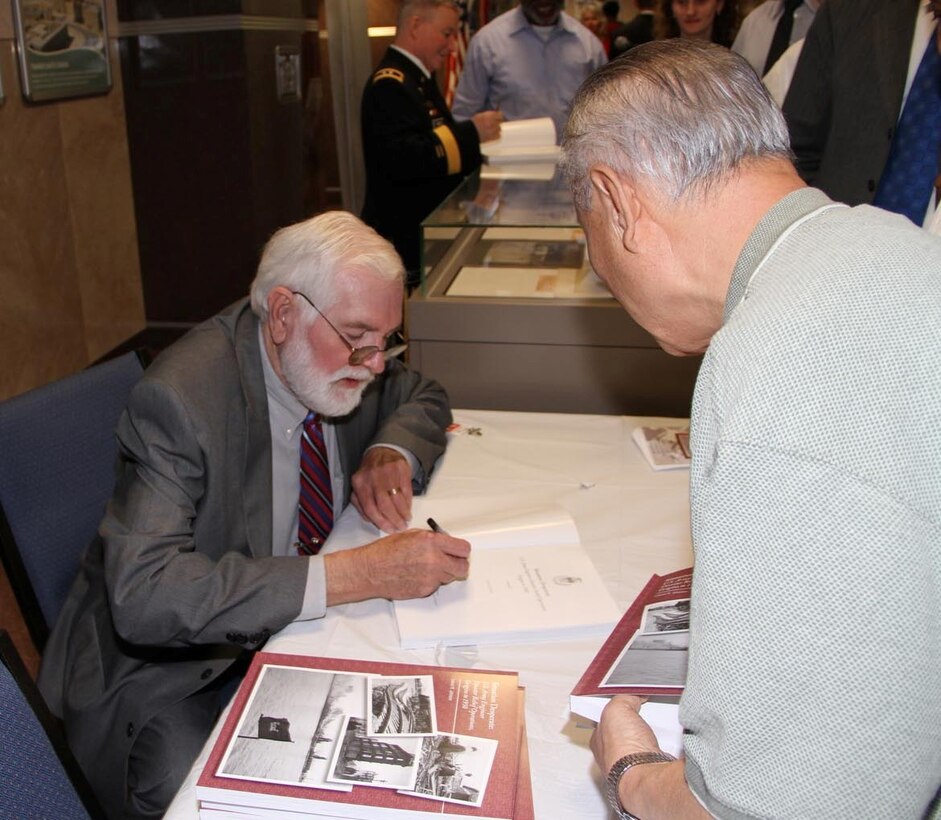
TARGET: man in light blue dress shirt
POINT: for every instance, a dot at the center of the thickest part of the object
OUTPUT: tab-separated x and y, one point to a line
527	63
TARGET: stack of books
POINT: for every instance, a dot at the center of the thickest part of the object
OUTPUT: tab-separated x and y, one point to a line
327	737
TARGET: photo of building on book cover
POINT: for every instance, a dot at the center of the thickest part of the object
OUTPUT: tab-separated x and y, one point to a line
368	738
312	728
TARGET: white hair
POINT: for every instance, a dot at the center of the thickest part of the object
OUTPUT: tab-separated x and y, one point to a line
678	114
422	8
311	255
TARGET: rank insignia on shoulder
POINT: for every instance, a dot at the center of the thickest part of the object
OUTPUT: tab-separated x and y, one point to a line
388	74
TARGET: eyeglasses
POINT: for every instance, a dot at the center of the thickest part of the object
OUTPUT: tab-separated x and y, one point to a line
360	355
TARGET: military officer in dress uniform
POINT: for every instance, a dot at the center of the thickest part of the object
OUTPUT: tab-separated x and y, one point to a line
415	153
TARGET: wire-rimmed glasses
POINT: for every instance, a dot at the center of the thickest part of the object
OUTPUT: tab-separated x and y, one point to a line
360	355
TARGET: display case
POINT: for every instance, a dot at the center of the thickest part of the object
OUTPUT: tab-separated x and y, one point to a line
509	314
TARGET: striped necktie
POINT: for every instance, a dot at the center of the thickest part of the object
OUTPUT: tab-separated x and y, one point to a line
315	510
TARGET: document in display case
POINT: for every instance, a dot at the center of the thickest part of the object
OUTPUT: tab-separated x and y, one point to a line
509	314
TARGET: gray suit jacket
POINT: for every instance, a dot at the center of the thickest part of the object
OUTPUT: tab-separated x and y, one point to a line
181	578
846	94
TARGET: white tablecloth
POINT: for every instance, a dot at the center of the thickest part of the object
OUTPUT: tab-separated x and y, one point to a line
633	521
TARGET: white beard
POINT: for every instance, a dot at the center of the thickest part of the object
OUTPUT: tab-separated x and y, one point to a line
320	391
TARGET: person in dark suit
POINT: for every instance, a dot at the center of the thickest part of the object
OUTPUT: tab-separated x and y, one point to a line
196	563
415	152
843	103
637	31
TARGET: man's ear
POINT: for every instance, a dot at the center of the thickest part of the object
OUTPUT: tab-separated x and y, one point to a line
412	26
618	202
281	311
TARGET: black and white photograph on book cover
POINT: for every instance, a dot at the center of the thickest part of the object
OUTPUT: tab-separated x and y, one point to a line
668	616
291	726
657	659
402	706
455	768
380	762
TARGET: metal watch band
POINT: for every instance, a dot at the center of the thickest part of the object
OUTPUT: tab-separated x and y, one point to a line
617	772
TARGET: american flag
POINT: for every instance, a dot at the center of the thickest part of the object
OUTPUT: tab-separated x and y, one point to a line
455	62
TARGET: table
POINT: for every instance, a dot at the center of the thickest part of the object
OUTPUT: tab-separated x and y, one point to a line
633	522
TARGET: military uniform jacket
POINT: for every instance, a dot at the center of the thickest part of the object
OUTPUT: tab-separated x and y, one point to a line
415	152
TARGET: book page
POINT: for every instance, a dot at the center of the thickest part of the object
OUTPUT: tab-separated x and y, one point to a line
534	233
530	283
521	133
534	171
527	283
529	579
523	153
487	526
535	254
514	594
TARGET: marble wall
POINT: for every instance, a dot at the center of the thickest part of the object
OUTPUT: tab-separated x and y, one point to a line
70	284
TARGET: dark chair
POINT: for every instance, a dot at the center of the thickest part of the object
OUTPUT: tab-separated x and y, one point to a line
39	774
57	458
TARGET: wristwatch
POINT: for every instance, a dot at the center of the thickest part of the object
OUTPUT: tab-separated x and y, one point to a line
617	772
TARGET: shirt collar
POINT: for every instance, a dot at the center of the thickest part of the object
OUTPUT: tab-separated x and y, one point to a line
278	393
785	212
520	23
413	58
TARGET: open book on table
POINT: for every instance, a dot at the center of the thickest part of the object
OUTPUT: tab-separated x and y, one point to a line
530	580
315	737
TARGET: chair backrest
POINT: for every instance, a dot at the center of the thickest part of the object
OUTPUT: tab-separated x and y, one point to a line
39	774
57	460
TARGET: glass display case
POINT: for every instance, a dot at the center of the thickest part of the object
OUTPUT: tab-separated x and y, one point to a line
509	314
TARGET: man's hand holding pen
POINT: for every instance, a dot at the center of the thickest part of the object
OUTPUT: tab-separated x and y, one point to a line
409	564
436	527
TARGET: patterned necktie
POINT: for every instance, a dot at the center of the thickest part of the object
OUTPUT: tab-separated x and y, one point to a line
315	510
910	171
781	38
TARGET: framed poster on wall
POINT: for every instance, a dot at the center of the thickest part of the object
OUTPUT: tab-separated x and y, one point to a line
62	47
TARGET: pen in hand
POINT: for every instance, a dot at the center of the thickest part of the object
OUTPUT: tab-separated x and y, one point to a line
436	528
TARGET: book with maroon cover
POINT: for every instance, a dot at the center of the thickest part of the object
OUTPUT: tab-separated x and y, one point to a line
525	808
305	707
645	654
